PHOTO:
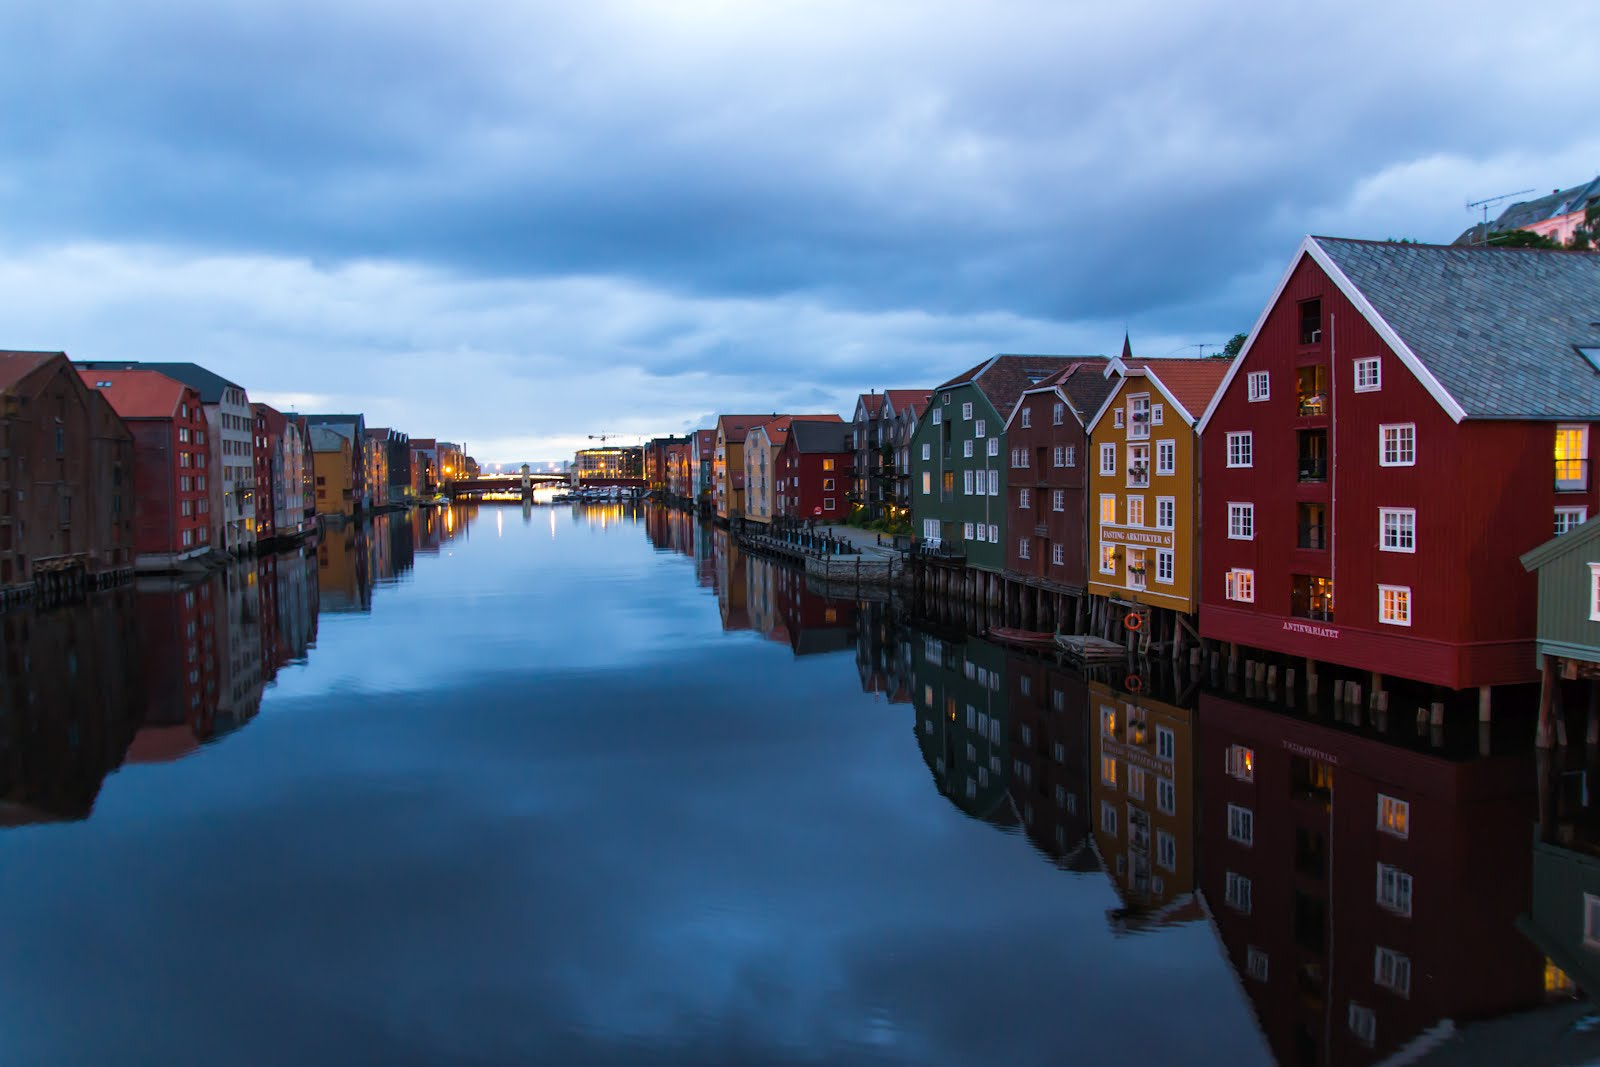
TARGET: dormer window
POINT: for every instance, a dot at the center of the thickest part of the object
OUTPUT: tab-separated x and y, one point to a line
1591	355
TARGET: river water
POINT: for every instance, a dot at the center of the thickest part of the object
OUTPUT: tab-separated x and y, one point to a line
587	785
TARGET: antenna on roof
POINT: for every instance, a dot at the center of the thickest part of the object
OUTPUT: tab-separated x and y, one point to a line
1200	348
1485	202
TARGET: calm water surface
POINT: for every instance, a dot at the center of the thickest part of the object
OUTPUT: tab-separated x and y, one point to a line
557	785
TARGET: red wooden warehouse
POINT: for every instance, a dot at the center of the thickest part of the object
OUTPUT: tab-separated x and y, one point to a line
172	520
1048	484
1404	421
813	472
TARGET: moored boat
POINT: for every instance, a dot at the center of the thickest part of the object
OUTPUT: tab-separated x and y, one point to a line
1025	638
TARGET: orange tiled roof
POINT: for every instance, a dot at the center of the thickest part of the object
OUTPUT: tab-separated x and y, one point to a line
1191	382
138	394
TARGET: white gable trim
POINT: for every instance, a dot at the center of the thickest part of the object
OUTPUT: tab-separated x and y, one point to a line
1309	247
1434	387
1026	393
1148	375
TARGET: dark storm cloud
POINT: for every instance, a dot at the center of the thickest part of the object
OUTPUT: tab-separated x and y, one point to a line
1021	157
669	208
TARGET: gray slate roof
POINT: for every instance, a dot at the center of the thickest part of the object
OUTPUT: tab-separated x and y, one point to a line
209	384
1499	328
821	436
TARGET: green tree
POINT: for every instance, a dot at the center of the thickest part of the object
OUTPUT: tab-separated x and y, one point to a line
1234	346
1521	239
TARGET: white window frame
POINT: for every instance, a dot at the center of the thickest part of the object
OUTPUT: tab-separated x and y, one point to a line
1027	418
966	411
979	430
1241	825
1392	970
1058	554
1400	430
1058	500
1024	499
1395	890
1404	528
927	451
1135	510
994	483
1375	382
1385	609
1024	548
1255	963
1241	520
1166	796
927	483
1591	921
966	531
1239	762
1575	517
1166	744
967	477
1241	449
994	534
1166	456
1166	566
966	449
1259	386
1112	521
1058	414
1156	413
994	446
1072	455
1169	505
1240	585
1166	851
1237	892
1594	592
1108	551
1058	458
938	416
1363	1023
1393	805
1108	459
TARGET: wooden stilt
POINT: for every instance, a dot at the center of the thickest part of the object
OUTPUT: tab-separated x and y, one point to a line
1544	733
1484	697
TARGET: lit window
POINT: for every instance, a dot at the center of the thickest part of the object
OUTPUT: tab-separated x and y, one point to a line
927	481
1240	449
1241	763
1241	522
1369	375
1108	559
1394	889
1398	445
1241	585
1392	971
1108	508
1572	458
1108	721
1394	605
1258	385
1394	816
1397	529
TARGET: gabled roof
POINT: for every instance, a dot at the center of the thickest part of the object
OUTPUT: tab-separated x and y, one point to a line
423	444
1491	333
15	366
1188	384
913	400
137	394
738	427
327	439
1002	378
1083	385
1561	202
811	437
209	384
1583	537
873	402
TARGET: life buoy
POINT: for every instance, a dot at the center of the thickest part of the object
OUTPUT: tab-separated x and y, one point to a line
1133	683
1133	620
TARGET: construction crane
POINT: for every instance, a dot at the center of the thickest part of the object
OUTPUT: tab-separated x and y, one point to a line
604	437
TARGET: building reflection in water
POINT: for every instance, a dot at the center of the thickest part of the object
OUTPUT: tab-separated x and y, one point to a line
151	673
1050	784
71	700
959	690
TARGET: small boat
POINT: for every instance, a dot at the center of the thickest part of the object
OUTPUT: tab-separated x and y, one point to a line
1025	638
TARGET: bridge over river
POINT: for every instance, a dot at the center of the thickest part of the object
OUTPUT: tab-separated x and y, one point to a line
517	484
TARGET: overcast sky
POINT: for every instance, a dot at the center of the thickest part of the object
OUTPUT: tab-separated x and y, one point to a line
521	223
